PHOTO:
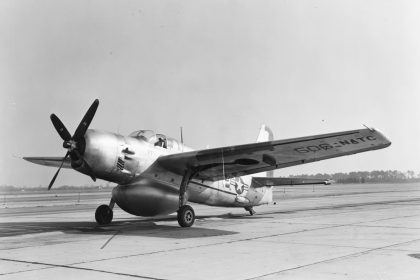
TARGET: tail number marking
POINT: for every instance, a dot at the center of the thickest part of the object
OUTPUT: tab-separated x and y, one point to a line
338	144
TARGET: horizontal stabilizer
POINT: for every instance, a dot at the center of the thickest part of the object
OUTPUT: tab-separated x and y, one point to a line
279	181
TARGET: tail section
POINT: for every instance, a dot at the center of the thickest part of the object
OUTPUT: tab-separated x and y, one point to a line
266	134
249	196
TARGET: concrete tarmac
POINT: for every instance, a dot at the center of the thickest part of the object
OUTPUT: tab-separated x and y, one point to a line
367	231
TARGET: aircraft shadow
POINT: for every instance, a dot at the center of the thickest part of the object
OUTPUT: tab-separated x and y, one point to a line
151	228
129	227
230	216
417	256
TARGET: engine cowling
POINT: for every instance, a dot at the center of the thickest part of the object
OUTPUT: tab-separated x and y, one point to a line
102	151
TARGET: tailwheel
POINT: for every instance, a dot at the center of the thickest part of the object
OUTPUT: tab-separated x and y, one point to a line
103	215
251	210
186	216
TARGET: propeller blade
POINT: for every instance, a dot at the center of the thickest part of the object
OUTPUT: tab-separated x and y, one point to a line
56	173
89	170
85	165
87	119
61	129
78	161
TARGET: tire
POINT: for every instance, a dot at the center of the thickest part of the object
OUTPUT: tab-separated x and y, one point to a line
103	215
186	216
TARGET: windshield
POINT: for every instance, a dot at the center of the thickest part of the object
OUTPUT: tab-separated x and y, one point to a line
146	135
157	139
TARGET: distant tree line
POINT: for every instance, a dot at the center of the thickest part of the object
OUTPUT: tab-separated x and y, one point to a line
10	188
358	177
376	176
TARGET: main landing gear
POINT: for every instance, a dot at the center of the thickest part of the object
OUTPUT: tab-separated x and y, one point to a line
186	215
104	214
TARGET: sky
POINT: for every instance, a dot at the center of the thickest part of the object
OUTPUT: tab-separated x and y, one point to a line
219	69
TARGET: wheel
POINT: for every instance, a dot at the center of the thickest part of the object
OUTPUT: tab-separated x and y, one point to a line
250	209
186	216
103	215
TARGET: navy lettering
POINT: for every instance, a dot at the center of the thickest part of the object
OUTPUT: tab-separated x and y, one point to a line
325	146
313	148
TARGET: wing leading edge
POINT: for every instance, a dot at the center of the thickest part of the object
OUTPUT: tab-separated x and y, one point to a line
49	161
279	181
233	161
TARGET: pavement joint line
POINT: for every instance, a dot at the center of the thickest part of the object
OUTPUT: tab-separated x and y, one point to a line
332	259
43	245
324	214
379	220
351	225
316	244
387	205
341	246
372	226
207	245
357	224
384	219
317	215
369	226
249	239
50	266
228	242
25	270
354	224
391	218
343	206
364	222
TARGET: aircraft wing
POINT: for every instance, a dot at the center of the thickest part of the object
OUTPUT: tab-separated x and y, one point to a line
233	161
279	181
50	161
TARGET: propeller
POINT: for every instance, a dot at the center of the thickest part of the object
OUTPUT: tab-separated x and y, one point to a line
56	173
75	144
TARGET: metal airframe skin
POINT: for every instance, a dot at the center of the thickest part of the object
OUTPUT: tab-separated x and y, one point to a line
156	174
145	196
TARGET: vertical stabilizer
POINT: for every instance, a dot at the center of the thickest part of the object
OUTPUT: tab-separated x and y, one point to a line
266	135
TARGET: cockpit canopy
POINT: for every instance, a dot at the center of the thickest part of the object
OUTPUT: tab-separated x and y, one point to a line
157	139
145	135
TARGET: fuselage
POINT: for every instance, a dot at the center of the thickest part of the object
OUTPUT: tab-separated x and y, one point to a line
125	160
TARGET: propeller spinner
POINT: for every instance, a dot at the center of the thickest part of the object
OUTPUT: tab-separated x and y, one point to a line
75	144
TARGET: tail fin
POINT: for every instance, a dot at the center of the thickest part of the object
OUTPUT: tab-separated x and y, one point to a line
266	135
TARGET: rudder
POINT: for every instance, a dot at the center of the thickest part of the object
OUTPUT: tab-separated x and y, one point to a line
266	134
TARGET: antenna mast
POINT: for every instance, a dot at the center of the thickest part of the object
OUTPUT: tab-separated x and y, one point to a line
182	140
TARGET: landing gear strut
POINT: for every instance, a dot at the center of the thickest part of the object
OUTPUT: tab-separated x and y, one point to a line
104	214
186	215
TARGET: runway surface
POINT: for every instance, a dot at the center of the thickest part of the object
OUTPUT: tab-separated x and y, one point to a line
367	231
